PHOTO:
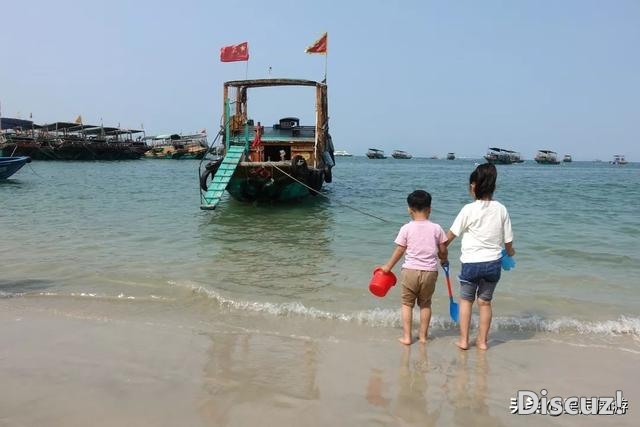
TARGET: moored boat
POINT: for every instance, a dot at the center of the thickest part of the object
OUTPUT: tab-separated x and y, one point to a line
374	153
501	156
451	156
342	153
282	162
567	158
399	154
547	157
176	146
70	141
619	159
11	165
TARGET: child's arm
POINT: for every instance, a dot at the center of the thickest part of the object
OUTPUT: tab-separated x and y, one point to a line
443	252
450	237
395	256
509	249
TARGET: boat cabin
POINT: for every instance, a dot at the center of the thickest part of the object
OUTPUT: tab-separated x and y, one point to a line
281	141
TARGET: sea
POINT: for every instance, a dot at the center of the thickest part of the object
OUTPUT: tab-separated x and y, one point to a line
123	303
134	230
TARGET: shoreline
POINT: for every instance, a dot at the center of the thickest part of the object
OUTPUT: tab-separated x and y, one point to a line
77	362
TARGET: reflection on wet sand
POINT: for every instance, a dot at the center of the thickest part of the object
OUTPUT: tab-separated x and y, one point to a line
469	394
249	375
411	404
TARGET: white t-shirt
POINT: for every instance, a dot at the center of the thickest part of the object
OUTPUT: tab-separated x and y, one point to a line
486	227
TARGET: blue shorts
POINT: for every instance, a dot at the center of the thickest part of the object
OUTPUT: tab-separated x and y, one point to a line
479	279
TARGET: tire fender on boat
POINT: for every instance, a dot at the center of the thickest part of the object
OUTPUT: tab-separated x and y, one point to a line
316	176
299	167
210	169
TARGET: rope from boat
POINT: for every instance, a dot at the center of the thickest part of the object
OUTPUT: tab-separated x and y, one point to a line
325	196
35	173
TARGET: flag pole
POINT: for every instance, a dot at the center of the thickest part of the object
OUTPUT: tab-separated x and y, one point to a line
326	56
246	70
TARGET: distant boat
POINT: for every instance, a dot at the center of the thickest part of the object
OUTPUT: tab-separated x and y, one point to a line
342	153
69	141
11	165
619	159
547	157
374	153
451	156
177	146
399	154
501	156
567	158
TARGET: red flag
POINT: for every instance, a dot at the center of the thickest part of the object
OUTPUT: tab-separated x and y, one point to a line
319	46
236	52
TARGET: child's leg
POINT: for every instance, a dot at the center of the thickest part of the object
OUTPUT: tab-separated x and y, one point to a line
485	294
465	322
427	287
484	307
425	319
407	318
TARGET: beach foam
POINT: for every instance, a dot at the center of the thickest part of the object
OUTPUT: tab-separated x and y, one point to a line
377	317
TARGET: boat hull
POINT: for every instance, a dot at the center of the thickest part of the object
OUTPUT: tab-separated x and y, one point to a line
11	165
278	181
401	155
76	151
499	161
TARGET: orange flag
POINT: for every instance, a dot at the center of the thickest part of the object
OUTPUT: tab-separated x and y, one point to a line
319	46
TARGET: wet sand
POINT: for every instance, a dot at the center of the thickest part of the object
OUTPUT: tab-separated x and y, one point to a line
99	362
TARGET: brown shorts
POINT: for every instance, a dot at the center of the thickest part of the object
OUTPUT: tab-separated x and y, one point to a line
417	285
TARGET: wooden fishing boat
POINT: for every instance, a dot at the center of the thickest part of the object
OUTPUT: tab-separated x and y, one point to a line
501	156
374	153
283	162
11	165
176	146
71	141
547	157
399	154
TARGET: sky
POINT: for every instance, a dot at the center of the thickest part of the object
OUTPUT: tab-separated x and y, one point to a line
428	77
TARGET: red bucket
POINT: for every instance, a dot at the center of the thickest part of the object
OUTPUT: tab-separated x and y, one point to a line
381	282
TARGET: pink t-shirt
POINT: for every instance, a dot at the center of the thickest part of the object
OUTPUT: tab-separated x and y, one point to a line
421	238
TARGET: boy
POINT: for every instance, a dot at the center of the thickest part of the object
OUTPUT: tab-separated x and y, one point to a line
421	242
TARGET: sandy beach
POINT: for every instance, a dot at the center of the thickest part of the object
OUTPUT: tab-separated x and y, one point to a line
80	361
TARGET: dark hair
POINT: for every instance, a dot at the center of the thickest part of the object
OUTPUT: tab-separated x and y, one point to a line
419	200
484	176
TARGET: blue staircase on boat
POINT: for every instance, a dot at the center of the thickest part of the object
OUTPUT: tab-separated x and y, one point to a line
221	179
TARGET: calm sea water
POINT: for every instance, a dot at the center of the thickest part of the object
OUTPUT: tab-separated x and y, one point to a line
134	230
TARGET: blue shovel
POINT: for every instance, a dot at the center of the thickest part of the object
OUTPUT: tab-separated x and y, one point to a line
453	306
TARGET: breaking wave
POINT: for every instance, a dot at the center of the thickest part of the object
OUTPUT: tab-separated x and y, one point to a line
377	317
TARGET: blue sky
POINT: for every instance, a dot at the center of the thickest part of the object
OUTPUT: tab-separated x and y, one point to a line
424	76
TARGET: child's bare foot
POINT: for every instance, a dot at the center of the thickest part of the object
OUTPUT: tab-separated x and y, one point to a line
422	340
462	345
405	340
482	345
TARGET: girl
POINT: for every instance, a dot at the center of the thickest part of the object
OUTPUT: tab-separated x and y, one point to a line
486	228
